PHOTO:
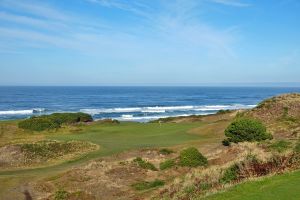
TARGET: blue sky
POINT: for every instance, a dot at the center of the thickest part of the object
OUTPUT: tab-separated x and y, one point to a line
143	42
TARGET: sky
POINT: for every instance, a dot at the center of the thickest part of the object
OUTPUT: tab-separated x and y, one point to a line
149	42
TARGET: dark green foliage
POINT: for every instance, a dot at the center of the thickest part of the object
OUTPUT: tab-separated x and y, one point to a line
145	185
226	142
69	118
144	164
223	111
61	195
280	146
167	164
230	174
246	129
53	121
191	157
38	124
165	151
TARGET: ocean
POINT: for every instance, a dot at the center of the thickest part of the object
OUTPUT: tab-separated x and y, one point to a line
130	103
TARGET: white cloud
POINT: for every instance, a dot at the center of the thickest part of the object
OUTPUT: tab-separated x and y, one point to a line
231	3
174	28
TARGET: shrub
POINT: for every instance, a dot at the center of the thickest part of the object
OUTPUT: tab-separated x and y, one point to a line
144	164
230	174
165	151
145	185
167	164
245	129
69	118
191	157
61	195
53	121
38	124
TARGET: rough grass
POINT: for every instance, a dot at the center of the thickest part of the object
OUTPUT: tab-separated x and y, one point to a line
144	164
146	185
167	164
166	151
280	146
46	150
41	153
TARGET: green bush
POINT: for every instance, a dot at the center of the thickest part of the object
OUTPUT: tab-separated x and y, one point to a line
245	129
167	164
38	124
144	164
191	157
53	121
145	185
230	174
165	151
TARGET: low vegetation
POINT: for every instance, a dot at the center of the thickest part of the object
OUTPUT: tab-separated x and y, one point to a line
246	129
191	157
166	151
53	121
280	146
144	164
146	185
167	164
49	149
61	195
220	112
230	174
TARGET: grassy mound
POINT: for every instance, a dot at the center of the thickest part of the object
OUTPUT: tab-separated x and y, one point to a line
281	115
42	153
191	157
53	121
46	150
283	107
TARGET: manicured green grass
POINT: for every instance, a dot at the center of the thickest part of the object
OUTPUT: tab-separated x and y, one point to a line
116	138
280	187
125	136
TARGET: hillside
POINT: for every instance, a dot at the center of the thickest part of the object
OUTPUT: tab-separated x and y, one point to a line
281	114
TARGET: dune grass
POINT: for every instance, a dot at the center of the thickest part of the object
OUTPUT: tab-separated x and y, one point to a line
278	187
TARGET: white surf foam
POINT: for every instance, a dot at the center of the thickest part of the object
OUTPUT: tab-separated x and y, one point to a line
22	112
163	109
